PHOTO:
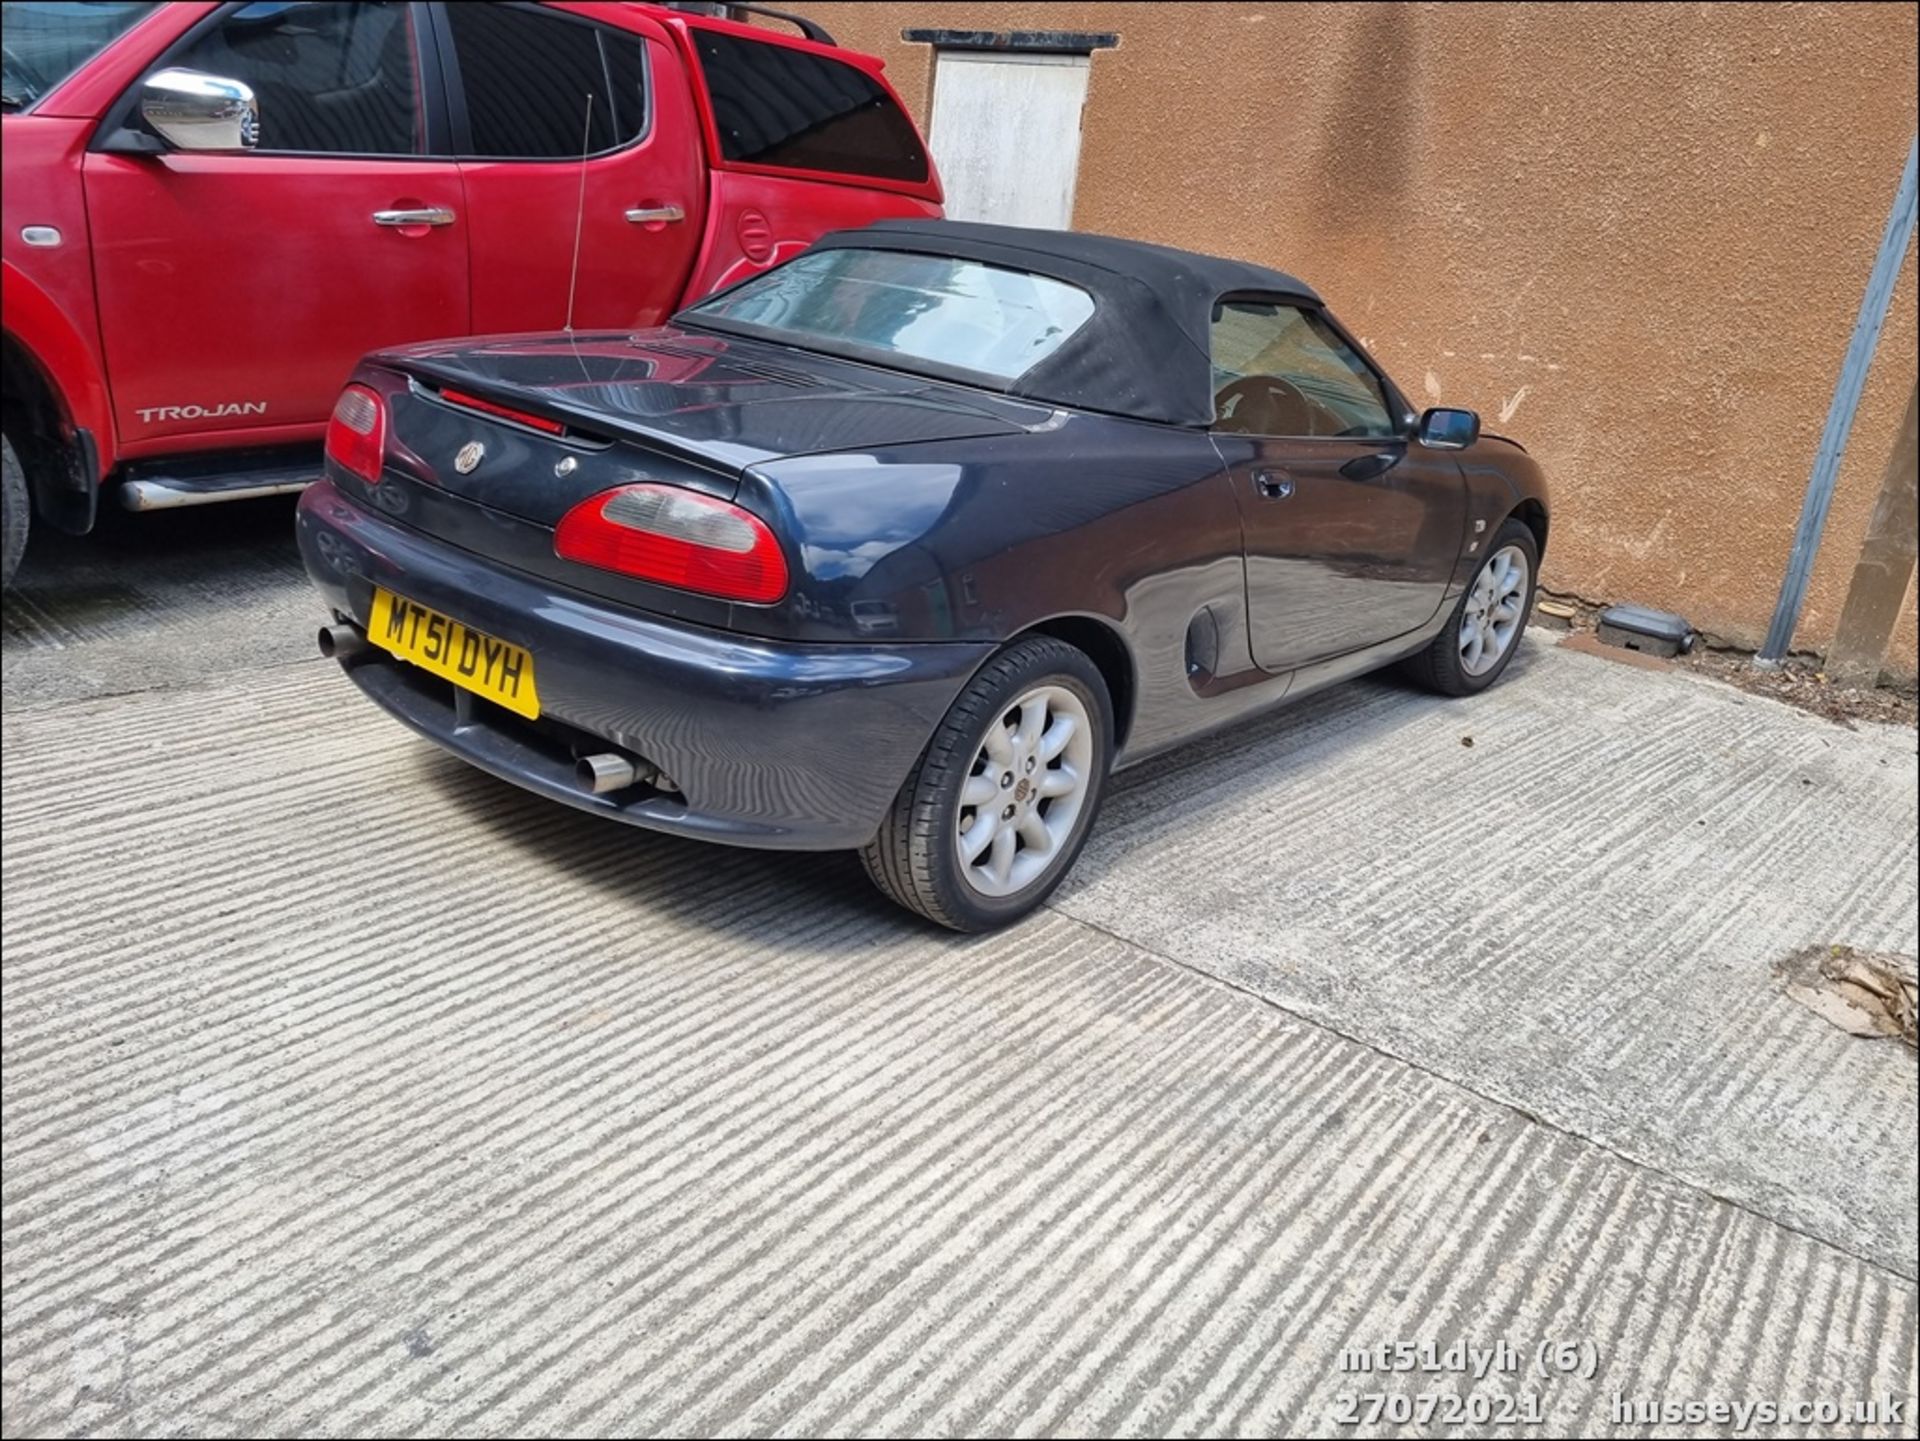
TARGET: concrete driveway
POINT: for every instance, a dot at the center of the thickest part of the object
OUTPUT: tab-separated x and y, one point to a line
349	1090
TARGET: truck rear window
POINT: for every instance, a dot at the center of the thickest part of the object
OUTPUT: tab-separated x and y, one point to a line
775	105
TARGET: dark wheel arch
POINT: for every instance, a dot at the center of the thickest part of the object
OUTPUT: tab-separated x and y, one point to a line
1533	515
1101	642
59	462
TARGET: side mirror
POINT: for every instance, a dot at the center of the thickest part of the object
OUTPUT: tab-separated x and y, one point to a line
191	110
1448	429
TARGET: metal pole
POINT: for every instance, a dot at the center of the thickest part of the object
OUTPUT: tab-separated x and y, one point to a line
1846	399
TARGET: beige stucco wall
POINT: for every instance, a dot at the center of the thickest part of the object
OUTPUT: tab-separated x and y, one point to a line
1635	237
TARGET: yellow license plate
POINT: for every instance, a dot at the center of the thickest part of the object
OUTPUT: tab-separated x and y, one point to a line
469	658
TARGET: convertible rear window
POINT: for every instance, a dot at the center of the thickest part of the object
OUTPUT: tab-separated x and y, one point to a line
933	312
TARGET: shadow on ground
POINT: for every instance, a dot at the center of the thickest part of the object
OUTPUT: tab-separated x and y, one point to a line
572	842
156	600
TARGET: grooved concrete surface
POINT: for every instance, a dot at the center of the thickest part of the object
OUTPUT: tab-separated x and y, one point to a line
1576	913
348	1090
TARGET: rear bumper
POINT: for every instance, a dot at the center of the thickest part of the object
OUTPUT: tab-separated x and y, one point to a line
770	744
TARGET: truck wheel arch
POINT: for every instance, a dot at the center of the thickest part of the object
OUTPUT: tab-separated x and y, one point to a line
56	428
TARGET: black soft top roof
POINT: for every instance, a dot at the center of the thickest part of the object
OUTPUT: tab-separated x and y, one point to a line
1144	351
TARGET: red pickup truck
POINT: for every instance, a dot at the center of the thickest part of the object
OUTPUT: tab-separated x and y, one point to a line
213	210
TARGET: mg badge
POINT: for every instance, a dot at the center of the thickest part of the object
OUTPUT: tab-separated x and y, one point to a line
469	456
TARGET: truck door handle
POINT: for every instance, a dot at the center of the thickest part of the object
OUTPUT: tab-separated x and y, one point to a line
655	214
1273	484
426	215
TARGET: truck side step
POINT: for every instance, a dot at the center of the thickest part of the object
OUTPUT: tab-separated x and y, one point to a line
232	477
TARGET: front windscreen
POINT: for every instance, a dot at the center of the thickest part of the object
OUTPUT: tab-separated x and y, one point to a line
914	310
47	42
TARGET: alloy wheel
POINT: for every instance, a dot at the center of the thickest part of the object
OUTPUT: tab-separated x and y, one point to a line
1029	780
1496	610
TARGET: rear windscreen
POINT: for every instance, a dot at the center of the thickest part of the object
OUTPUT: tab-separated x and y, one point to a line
775	105
915	310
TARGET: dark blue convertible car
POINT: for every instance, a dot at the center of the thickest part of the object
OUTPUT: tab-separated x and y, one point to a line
906	544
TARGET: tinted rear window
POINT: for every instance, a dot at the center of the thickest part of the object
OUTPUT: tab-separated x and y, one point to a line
952	313
775	105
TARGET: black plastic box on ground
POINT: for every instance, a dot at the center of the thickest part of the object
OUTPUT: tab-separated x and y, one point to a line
1637	627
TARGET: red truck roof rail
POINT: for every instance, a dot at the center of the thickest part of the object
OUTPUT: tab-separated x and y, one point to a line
812	29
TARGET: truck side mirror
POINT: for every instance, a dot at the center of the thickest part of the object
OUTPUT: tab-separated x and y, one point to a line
192	110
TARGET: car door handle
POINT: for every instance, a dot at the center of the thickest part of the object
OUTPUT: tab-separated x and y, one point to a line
426	215
655	214
1273	484
1370	467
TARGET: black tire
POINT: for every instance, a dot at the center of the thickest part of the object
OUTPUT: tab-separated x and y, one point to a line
915	858
16	512
1439	667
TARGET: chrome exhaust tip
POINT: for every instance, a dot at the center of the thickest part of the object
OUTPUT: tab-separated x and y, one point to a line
608	772
341	642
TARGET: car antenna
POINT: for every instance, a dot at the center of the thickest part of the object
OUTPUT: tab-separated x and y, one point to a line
579	211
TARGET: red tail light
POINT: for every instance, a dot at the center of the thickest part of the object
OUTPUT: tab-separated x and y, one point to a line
505	412
357	433
676	537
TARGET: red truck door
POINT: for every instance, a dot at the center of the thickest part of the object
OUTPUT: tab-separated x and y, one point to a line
237	290
580	152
